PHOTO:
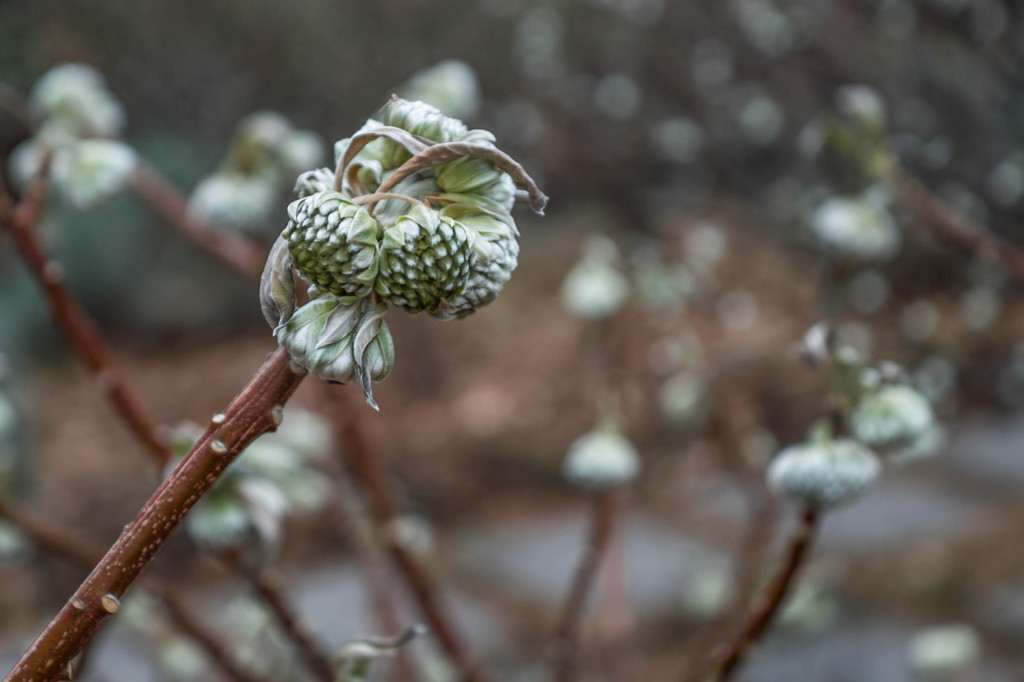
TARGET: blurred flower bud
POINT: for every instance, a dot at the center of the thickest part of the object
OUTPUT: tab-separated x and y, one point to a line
301	150
863	105
894	416
944	654
75	98
90	171
680	397
449	85
234	200
13	544
594	288
706	592
858	228
601	459
824	473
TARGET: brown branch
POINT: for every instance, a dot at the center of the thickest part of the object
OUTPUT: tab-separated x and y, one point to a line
947	222
603	510
20	222
354	526
774	595
205	637
268	588
66	544
238	252
256	410
363	463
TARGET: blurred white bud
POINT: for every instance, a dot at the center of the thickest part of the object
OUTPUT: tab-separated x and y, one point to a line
594	288
863	104
706	592
618	96
857	228
90	171
979	308
944	653
234	200
1005	182
868	291
893	416
601	459
302	150
762	120
679	140
825	473
681	397
450	85
74	97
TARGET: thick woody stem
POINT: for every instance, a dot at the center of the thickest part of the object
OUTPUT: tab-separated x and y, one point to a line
20	222
241	254
256	410
766	608
366	469
64	543
604	508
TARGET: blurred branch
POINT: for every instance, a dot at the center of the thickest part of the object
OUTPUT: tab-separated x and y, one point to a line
363	463
768	605
66	544
604	508
20	222
268	588
355	528
947	222
239	253
256	410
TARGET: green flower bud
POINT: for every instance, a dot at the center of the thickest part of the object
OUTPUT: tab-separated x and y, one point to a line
894	416
422	119
601	459
340	341
595	289
425	260
334	243
495	256
314	181
825	473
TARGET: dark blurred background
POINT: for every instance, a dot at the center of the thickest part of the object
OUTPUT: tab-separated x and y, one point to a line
690	133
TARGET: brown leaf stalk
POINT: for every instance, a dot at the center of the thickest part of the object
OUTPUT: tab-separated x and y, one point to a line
256	410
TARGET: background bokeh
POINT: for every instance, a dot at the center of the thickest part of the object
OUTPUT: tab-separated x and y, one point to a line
692	134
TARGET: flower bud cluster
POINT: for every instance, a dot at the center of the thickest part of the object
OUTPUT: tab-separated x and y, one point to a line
415	215
78	119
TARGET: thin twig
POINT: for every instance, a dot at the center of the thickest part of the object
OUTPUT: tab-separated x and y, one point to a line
268	588
20	222
66	544
256	410
354	524
954	226
774	595
238	252
363	463
208	640
604	508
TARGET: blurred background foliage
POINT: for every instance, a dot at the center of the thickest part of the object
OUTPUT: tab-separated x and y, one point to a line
698	137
